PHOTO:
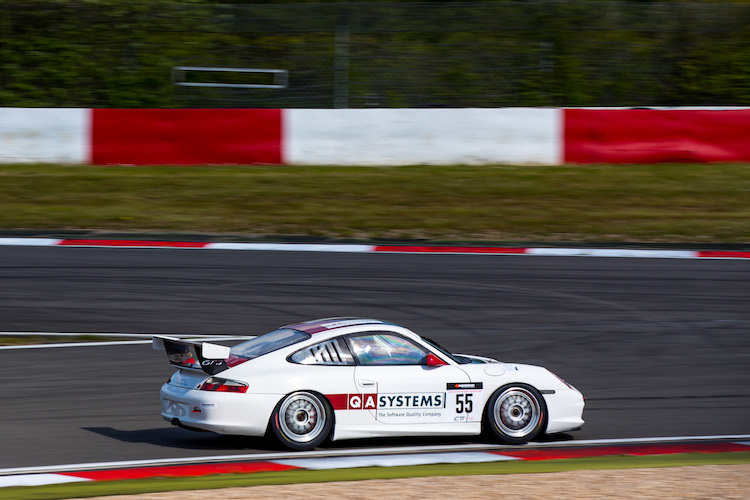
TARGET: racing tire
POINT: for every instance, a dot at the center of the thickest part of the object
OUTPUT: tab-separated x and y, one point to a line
516	413
302	420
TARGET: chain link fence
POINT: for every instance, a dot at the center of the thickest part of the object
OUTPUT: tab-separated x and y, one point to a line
111	53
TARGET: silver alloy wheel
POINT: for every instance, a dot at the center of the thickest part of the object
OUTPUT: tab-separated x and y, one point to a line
302	417
517	412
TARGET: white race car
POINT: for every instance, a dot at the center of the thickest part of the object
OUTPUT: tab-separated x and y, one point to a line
345	378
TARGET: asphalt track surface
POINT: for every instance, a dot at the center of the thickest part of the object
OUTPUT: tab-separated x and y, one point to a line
661	347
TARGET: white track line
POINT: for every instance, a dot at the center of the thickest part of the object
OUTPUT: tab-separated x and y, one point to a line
192	338
81	334
72	344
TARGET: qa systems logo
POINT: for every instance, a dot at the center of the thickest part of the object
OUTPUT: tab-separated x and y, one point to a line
362	401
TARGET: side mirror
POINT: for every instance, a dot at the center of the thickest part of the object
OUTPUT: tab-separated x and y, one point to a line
433	360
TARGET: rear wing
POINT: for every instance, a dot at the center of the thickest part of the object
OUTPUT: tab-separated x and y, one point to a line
210	358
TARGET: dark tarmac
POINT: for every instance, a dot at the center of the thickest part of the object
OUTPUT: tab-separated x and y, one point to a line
660	347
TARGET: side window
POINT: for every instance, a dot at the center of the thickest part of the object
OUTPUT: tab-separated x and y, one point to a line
385	349
330	352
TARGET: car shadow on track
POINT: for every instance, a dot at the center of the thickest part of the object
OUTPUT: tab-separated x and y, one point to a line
183	439
189	440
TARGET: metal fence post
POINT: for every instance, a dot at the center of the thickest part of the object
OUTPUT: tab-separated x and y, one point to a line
341	62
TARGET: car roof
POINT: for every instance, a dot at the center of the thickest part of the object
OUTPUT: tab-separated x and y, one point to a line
330	324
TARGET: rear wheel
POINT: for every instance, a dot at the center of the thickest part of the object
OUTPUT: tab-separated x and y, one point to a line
516	413
302	420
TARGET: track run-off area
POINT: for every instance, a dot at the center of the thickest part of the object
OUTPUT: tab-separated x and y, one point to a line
658	345
369	457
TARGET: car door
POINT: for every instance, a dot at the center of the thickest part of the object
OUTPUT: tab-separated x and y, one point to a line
398	388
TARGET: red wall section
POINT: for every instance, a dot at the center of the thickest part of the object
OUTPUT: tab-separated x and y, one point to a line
651	136
185	136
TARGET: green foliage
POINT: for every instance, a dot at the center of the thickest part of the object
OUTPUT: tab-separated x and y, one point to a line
119	53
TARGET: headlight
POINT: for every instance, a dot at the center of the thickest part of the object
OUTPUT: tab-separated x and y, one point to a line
563	381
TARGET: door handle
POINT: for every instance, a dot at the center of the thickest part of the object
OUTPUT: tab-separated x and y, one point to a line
366	383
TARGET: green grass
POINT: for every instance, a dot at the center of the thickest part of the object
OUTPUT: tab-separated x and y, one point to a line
82	490
600	203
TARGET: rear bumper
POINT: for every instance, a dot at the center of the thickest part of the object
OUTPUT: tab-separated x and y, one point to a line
223	413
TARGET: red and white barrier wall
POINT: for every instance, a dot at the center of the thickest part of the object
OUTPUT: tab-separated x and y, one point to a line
422	136
538	136
56	135
656	135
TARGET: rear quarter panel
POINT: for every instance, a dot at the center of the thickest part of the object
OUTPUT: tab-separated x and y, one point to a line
273	374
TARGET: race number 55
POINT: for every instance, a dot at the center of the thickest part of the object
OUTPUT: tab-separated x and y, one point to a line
464	404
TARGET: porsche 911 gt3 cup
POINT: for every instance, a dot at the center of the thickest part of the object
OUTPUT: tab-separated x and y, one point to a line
346	378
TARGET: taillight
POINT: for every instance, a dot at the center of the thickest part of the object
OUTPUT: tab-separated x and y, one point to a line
218	384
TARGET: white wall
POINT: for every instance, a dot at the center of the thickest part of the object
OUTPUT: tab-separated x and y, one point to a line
50	135
422	136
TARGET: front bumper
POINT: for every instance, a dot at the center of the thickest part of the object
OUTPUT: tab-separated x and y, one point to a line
565	410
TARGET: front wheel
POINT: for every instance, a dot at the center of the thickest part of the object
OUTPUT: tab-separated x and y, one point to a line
516	413
302	420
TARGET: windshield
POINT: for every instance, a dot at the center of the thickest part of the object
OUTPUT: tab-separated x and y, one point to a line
268	343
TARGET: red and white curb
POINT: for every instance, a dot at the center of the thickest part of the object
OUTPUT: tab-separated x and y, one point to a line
357	248
118	471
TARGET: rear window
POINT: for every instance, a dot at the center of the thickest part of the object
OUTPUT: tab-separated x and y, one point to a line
330	352
268	343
